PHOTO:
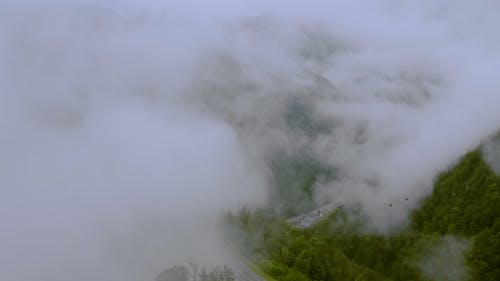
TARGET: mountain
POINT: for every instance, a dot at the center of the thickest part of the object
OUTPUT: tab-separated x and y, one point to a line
454	235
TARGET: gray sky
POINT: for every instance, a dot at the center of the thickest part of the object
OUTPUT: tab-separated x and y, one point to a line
128	127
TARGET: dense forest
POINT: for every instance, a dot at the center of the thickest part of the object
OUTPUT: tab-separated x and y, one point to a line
454	235
295	173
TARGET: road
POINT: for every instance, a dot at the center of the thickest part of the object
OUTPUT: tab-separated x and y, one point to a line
308	219
243	273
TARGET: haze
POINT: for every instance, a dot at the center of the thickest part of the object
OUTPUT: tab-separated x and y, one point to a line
129	127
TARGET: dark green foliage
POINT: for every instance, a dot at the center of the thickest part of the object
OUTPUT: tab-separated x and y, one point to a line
288	253
485	255
175	273
295	177
465	203
299	117
294	275
465	200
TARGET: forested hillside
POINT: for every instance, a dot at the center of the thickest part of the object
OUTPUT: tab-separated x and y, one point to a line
455	235
466	202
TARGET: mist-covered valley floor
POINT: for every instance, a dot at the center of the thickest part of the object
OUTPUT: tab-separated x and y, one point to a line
136	135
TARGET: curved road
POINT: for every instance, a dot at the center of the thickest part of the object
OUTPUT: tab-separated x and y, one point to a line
308	219
243	273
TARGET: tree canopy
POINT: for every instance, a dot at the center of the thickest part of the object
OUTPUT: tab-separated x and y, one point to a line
465	204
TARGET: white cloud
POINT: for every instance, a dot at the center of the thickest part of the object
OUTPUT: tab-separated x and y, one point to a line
139	123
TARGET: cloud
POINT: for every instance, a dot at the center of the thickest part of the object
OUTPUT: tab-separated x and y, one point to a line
128	128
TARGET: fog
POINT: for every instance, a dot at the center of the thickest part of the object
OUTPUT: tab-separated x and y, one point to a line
128	128
444	259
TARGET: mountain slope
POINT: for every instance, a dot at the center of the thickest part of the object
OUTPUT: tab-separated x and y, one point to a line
455	235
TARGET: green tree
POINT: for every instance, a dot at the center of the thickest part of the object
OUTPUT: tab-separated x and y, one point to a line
294	275
221	273
175	273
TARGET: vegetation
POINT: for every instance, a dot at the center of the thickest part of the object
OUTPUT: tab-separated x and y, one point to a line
175	273
295	177
296	174
465	203
300	118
